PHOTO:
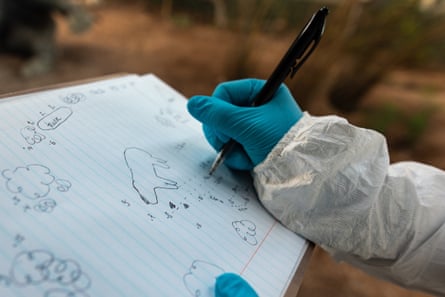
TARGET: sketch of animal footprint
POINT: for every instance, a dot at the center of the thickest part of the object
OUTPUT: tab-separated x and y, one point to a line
64	277
246	230
33	182
200	278
31	136
147	183
168	117
73	98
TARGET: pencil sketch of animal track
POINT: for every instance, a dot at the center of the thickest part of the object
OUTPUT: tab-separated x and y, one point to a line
246	230
169	117
31	136
148	174
34	182
200	278
73	98
58	277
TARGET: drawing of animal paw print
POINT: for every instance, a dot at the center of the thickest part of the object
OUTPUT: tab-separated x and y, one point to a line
31	136
33	183
73	98
200	278
40	268
246	230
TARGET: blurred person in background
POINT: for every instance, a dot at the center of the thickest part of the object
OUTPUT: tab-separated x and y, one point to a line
27	28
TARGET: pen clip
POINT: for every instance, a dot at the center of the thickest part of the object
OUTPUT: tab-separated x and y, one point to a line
310	37
298	63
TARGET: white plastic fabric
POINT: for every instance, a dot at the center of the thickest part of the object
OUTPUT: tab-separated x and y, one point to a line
332	183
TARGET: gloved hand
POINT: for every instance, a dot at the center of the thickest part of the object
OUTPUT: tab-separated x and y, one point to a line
228	114
232	285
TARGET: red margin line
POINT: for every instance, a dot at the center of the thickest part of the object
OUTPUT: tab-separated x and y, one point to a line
257	249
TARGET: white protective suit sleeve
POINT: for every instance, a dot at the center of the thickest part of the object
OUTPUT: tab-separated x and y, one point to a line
332	183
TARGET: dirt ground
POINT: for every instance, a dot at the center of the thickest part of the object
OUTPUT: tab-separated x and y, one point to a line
193	59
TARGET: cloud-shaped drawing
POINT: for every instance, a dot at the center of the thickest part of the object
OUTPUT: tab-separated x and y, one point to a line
31	136
38	266
73	98
31	268
200	279
246	230
45	205
32	181
62	185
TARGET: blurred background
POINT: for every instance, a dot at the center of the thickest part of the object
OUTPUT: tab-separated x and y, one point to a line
380	64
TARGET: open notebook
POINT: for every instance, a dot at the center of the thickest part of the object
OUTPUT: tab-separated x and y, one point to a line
104	191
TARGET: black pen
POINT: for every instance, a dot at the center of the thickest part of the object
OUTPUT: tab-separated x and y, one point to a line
295	56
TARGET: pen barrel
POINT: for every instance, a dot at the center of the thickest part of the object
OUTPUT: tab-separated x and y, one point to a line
270	87
295	56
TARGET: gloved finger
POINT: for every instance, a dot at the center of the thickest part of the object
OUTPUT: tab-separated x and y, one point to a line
239	92
238	159
232	285
214	137
224	117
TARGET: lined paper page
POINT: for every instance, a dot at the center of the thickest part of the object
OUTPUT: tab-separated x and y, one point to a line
105	192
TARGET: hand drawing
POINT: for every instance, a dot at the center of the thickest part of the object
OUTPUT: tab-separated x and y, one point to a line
180	146
50	121
55	118
32	181
168	117
62	185
200	278
73	98
45	205
246	230
18	240
239	197
146	182
118	87
164	121
30	268
97	91
150	176
31	136
4	281
63	293
165	92
37	267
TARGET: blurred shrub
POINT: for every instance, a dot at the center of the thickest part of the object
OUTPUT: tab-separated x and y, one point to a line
402	128
288	13
388	34
364	40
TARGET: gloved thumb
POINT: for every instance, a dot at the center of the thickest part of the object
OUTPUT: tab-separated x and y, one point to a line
233	285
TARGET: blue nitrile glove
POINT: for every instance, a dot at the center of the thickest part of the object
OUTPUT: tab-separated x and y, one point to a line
232	285
228	114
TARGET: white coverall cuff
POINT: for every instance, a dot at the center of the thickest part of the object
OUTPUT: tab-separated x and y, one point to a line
321	180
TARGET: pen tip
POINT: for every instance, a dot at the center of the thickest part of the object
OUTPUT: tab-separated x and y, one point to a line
219	158
211	171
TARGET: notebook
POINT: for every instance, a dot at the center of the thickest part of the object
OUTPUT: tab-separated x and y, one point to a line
105	191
